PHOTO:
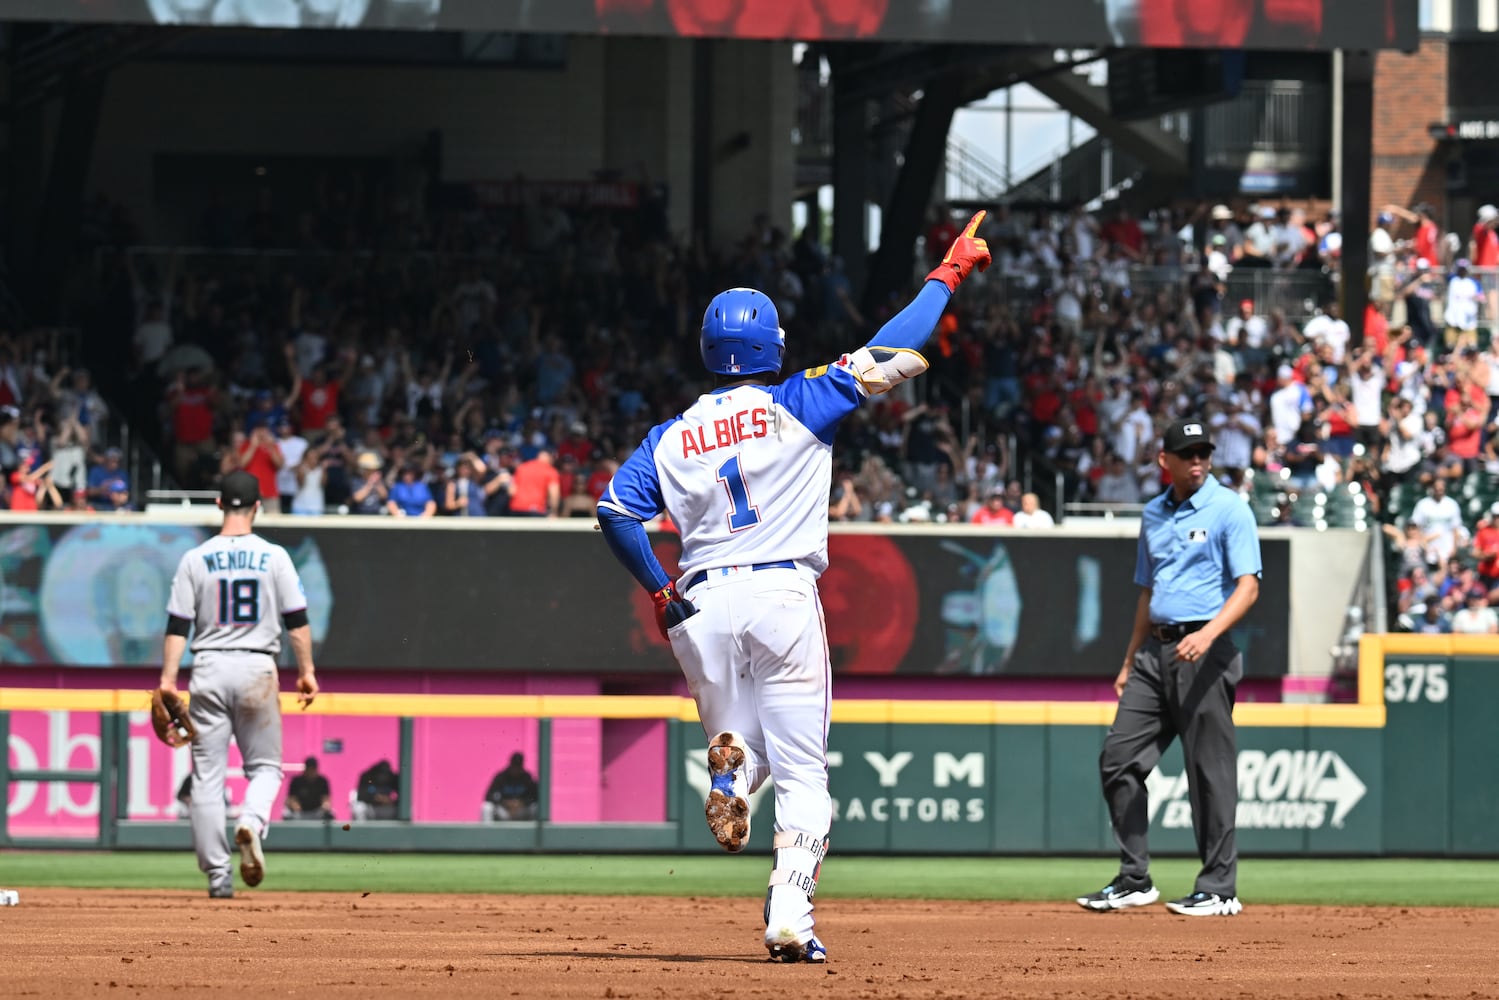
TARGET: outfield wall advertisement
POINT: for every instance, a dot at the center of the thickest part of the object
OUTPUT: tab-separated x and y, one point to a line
908	789
954	602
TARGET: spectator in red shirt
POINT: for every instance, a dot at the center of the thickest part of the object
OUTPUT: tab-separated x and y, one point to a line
193	399
603	471
994	511
1126	232
1486	547
1376	330
1046	402
260	456
576	445
1466	409
1484	253
941	233
537	487
26	488
1428	233
319	397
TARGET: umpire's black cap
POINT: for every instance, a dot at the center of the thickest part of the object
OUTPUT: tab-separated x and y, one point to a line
239	490
1184	435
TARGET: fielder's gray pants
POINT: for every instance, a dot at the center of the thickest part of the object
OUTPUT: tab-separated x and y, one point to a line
1165	698
233	694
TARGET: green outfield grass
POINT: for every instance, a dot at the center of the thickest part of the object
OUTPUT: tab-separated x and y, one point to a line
1316	882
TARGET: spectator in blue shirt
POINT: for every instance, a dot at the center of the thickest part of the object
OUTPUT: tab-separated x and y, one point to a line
108	486
410	495
268	411
1198	569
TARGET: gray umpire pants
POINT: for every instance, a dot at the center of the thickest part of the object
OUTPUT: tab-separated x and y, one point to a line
233	694
1165	698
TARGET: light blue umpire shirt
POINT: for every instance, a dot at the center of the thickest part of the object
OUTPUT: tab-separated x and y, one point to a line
1191	554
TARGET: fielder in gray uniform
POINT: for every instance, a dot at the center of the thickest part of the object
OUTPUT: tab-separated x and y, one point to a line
234	593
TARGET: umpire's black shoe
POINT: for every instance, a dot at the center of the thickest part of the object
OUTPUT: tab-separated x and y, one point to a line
1125	891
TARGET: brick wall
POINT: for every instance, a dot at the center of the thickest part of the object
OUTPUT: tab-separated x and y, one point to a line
1410	92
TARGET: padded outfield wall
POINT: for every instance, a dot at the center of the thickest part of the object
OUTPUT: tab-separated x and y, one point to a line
1003	761
1407	771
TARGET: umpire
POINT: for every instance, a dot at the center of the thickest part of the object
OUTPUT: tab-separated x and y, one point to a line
1198	568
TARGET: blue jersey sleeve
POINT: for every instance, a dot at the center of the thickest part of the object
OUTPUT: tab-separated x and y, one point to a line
820	398
633	496
1241	541
1144	572
912	326
630	544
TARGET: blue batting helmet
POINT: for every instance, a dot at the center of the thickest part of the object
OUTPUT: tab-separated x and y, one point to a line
742	334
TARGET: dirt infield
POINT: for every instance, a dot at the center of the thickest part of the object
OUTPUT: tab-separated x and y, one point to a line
68	943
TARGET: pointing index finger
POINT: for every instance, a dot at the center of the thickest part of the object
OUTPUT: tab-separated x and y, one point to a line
975	222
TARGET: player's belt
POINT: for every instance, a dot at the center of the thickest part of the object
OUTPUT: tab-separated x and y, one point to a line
1175	633
702	574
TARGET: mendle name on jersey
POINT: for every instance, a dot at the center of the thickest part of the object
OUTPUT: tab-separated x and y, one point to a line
225	560
727	432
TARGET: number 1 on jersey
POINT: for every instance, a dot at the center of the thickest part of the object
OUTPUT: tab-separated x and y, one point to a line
742	514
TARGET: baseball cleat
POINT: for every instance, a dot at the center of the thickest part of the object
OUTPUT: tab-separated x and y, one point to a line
793	951
727	808
221	888
1121	894
1205	904
251	857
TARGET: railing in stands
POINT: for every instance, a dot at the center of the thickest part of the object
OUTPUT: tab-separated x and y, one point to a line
1106	511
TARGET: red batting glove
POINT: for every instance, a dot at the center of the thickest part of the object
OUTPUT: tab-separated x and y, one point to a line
671	609
966	253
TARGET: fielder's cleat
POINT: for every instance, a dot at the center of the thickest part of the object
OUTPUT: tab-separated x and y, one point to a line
727	808
1205	904
251	857
794	951
1121	894
221	888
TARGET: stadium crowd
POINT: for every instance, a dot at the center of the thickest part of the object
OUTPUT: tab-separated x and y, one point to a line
480	359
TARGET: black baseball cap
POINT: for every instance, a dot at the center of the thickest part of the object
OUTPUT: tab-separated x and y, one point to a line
1185	435
239	490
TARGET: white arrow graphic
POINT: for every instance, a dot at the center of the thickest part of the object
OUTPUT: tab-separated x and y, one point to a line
1342	787
1337	784
1163	788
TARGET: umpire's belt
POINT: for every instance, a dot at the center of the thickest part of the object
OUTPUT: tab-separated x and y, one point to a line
702	575
1175	633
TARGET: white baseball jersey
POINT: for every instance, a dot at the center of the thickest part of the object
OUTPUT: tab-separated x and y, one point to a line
234	589
744	472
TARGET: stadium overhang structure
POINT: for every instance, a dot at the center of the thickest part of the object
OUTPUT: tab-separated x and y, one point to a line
899	72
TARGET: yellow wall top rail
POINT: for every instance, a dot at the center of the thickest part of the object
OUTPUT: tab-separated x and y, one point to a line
1017	713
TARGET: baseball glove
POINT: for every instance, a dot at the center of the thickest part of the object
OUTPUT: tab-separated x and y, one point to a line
169	718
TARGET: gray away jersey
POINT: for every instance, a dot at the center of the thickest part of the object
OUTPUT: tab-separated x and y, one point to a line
234	589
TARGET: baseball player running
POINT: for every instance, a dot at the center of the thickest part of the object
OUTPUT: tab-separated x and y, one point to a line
745	473
234	593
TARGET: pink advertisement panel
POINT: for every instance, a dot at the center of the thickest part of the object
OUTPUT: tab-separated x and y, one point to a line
454	760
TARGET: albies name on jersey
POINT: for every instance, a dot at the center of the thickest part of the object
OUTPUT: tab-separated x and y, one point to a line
1279	790
726	432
